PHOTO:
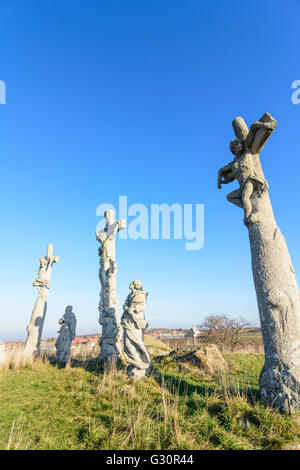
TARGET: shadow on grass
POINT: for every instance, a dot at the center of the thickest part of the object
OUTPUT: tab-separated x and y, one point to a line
181	386
232	390
225	386
93	365
226	389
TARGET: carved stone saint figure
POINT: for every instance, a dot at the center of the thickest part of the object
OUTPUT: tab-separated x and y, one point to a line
134	324
274	277
67	333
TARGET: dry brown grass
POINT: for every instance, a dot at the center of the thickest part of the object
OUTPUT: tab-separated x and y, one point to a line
16	360
252	348
18	438
252	344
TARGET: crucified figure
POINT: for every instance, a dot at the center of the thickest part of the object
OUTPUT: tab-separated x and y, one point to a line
274	277
246	167
110	342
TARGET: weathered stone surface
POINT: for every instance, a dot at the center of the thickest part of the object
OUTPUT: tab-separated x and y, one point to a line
134	324
111	340
206	358
35	327
155	346
274	277
67	333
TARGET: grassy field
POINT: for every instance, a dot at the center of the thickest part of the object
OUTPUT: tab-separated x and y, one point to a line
80	407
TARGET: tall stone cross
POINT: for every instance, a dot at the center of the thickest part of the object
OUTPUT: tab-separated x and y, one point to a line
274	277
111	339
42	282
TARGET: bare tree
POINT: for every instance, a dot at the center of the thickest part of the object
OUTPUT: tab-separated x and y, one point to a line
226	333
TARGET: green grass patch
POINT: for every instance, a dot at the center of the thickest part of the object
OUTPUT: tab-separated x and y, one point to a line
44	407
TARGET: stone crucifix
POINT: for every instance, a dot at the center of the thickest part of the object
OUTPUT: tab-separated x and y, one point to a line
35	327
274	277
111	338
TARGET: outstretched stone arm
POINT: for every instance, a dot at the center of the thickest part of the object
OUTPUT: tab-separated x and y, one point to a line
115	229
225	175
262	125
260	132
110	234
266	129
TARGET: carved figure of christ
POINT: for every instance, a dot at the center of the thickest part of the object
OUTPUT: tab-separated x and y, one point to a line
246	166
107	237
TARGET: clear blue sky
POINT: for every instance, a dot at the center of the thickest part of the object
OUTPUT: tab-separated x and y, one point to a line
136	98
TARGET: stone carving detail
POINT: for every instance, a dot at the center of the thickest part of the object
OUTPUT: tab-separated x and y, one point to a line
111	339
274	278
35	327
134	324
67	333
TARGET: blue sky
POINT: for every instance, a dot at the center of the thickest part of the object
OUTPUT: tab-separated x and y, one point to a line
109	98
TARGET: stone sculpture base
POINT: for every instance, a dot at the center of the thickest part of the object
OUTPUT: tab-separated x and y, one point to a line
110	342
135	373
111	360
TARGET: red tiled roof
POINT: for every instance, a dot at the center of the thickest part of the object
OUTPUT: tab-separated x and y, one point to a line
80	340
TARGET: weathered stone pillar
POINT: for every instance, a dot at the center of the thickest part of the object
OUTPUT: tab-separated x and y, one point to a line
35	327
274	277
111	339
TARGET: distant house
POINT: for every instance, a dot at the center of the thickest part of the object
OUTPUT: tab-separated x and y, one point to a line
13	344
93	340
155	333
196	331
165	333
172	334
79	341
